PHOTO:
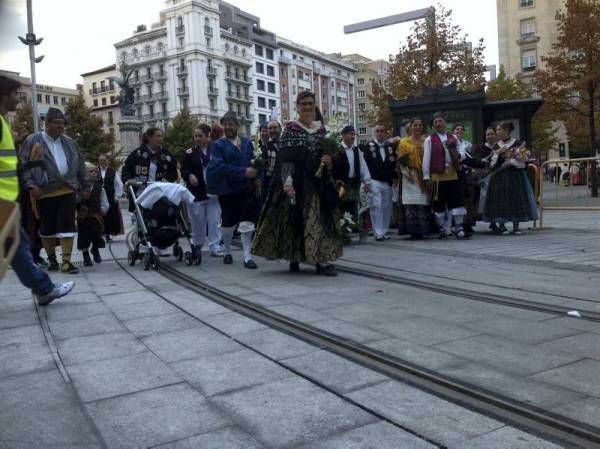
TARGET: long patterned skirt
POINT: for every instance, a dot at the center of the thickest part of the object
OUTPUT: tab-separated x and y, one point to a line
508	198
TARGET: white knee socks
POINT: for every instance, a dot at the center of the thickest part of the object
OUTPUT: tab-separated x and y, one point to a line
247	245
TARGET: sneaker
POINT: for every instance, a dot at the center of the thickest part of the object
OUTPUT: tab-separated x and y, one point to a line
58	291
217	253
460	234
53	265
69	268
379	238
250	264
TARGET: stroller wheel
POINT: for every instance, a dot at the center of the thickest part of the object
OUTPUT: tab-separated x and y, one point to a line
131	257
147	261
188	258
179	254
155	263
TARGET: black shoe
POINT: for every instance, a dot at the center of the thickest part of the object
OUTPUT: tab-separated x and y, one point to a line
96	254
294	267
443	235
227	260
87	261
53	264
69	268
379	238
250	264
40	262
326	270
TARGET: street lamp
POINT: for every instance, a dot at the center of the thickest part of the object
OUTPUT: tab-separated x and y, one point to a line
31	41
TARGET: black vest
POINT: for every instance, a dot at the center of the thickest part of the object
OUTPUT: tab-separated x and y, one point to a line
109	183
383	170
341	167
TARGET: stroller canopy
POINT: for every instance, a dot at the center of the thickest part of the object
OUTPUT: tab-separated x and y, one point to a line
174	193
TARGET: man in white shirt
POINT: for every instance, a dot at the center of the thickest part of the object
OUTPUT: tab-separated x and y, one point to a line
350	168
441	164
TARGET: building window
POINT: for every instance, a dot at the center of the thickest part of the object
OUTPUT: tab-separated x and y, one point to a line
269	54
271	88
262	118
164	107
212	103
239	109
110	118
258	50
270	70
103	101
235	49
180	42
47	99
272	104
360	81
262	102
361	94
243	52
362	106
184	103
208	42
96	103
362	130
55	99
260	68
528	60
111	85
260	85
63	100
147	49
526	3
39	98
528	27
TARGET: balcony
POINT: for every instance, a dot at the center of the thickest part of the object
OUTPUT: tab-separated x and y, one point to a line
213	91
239	78
528	38
183	90
160	75
182	71
147	78
179	29
211	71
162	95
238	59
101	90
208	30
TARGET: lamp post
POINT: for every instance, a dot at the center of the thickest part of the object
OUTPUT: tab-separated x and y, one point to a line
31	41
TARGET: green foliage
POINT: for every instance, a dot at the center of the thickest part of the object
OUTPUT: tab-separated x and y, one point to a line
87	130
22	124
179	134
506	88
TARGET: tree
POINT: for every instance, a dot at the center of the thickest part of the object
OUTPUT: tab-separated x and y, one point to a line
434	55
87	129
506	88
570	84
23	122
179	135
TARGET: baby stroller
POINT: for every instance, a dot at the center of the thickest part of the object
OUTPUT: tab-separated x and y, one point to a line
160	223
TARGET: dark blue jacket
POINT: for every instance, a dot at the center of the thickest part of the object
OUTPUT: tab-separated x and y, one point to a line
226	171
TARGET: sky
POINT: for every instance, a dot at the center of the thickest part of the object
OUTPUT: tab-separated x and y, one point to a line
79	34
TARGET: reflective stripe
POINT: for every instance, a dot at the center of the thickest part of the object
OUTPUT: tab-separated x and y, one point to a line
8	174
7	153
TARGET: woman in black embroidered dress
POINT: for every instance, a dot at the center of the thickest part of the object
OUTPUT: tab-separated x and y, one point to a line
299	221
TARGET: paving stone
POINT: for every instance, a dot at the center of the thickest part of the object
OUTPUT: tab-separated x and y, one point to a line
140	310
333	371
419	355
231	371
79	298
98	347
143	327
575	323
19	318
262	299
581	376
266	412
97	324
521	331
275	344
233	323
520	388
515	357
284	290
425	331
585	410
51	428
196	305
153	417
430	416
129	297
351	331
189	344
300	313
504	438
379	435
106	378
583	344
227	438
63	311
36	390
22	335
24	358
362	313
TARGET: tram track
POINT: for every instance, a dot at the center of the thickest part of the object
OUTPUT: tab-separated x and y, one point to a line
531	418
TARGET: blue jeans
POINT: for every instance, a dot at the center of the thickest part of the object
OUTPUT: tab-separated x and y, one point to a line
30	275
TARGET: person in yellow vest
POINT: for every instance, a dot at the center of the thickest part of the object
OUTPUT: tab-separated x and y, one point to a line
54	192
30	275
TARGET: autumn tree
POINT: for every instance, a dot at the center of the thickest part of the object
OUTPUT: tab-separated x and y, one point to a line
179	134
570	84
435	54
505	87
87	129
22	124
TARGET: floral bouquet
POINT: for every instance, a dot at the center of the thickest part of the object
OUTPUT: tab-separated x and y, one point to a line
347	225
258	163
331	142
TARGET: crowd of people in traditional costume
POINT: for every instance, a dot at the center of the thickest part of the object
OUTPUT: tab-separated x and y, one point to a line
296	204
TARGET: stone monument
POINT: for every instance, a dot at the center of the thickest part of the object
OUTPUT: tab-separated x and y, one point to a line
130	127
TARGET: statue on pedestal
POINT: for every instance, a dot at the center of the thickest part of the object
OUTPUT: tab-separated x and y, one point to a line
126	92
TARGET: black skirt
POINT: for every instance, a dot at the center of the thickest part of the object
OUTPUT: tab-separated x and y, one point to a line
507	197
113	221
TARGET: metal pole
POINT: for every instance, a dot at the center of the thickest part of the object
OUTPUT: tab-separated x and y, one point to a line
31	44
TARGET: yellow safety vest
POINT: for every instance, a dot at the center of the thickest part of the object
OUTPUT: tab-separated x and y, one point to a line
9	181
